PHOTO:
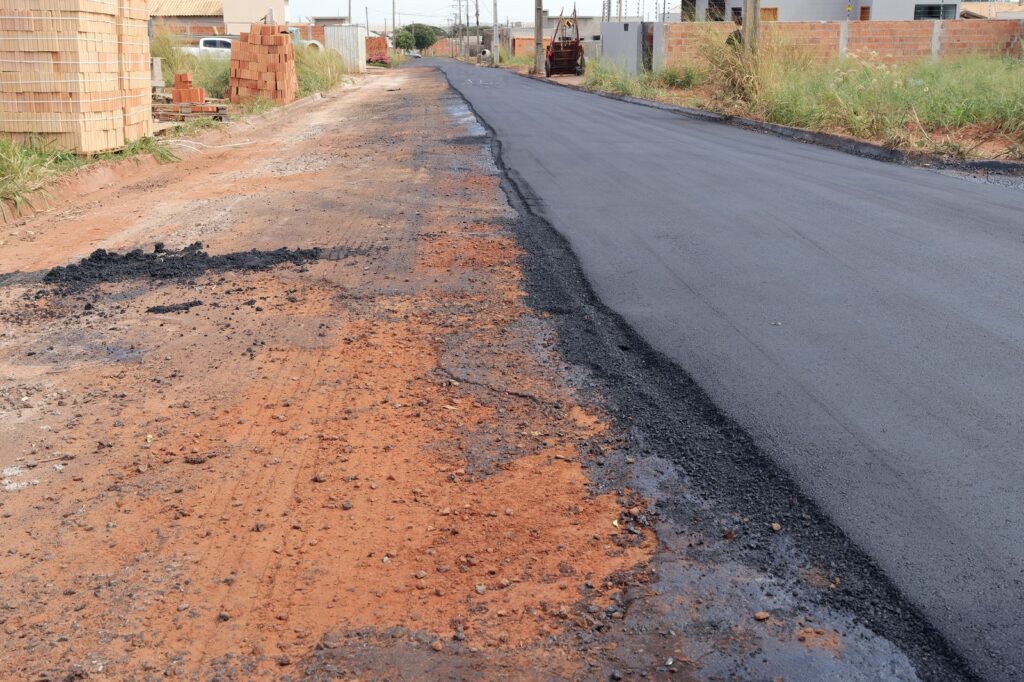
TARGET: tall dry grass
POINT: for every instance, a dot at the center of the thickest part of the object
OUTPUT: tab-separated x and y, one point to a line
920	103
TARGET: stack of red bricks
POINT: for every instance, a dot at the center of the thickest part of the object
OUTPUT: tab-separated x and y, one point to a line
188	99
263	65
184	93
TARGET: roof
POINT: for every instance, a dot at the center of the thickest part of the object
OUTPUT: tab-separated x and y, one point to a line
991	9
186	8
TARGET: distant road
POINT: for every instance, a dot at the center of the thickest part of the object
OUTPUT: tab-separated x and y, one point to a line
863	321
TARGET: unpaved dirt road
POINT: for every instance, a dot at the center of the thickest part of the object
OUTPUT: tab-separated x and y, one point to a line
410	446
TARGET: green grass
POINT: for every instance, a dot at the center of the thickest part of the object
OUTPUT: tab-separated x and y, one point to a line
27	167
931	105
504	58
318	70
666	84
207	72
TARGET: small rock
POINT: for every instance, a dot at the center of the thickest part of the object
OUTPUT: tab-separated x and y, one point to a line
480	589
346	505
776	526
320	477
762	615
436	645
223	616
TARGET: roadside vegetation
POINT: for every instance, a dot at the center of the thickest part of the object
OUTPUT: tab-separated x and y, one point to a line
318	70
27	167
666	85
505	59
962	108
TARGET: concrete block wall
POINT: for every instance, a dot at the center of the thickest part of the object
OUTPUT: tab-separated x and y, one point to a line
678	44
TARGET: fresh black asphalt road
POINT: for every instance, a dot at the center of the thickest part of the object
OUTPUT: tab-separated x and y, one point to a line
863	321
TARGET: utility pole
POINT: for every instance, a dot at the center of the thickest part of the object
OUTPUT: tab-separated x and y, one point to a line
349	11
538	37
394	25
495	38
476	5
751	25
367	20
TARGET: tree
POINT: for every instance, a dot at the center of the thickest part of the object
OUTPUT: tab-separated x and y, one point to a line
404	40
425	35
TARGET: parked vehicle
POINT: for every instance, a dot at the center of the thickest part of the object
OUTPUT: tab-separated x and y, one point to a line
219	48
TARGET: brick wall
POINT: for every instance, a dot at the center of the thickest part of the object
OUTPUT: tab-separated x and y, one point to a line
887	41
442	48
891	41
376	45
981	35
310	32
522	45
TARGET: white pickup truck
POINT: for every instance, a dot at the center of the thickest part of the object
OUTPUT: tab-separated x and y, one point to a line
219	48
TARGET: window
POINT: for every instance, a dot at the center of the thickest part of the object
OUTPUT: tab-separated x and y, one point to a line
737	14
865	13
769	14
934	12
716	10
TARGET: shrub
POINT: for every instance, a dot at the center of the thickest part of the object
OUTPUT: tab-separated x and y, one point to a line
380	58
318	70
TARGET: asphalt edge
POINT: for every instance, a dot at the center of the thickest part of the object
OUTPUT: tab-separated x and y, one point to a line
933	657
841	143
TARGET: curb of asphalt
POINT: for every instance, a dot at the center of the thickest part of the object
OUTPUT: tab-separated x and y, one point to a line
847	145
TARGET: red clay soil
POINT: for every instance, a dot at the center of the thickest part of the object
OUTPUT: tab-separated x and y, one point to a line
373	441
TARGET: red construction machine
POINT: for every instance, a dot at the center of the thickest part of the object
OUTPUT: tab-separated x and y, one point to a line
565	52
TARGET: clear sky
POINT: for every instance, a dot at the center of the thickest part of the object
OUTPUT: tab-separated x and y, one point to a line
438	12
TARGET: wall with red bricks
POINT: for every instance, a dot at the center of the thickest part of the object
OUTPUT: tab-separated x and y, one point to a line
886	41
891	41
522	45
376	45
310	32
981	35
442	48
